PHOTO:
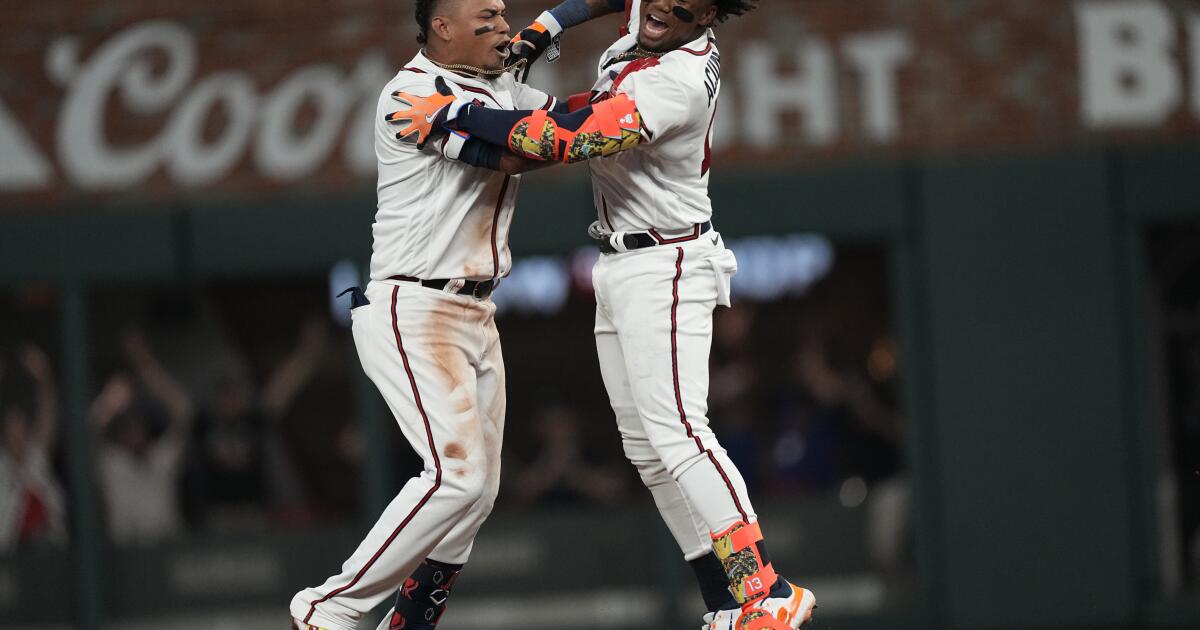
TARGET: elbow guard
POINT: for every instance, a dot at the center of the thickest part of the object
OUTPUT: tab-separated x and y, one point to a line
609	127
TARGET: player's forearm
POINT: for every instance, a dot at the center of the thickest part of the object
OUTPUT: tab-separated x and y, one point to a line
595	131
513	164
601	8
481	154
496	158
574	12
491	126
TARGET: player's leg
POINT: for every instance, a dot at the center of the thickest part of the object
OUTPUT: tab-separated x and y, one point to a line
490	403
688	529
422	600
416	350
665	329
664	319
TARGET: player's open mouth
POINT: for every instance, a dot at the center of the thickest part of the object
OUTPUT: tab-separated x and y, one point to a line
654	26
502	50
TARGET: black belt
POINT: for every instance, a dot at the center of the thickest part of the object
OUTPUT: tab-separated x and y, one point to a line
478	289
650	238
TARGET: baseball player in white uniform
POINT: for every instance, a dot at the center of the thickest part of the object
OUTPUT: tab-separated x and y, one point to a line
424	329
662	273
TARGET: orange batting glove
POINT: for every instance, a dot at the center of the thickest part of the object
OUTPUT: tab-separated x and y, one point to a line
421	116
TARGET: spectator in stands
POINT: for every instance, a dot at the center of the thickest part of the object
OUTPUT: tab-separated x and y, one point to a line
734	372
811	424
831	423
733	387
836	432
139	471
32	506
241	465
563	471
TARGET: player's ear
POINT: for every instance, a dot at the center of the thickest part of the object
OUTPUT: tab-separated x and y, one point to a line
439	27
710	16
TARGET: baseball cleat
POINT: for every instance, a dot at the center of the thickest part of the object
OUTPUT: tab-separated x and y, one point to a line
787	607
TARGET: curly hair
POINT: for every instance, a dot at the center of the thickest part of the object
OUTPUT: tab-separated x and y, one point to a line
424	16
729	8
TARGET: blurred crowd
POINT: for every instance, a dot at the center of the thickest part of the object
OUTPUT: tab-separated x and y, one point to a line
802	430
32	503
161	454
165	459
1175	341
192	429
256	425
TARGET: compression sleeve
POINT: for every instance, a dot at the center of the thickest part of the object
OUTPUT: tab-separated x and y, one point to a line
573	103
597	130
574	12
479	153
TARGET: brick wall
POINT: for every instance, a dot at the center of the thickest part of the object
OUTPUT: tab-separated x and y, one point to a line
274	96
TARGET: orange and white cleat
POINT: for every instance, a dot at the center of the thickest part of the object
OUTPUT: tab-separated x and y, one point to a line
788	607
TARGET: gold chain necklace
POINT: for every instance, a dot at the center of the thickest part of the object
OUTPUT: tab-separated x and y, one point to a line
636	53
478	72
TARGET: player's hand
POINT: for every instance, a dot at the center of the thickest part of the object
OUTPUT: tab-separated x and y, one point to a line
421	116
533	41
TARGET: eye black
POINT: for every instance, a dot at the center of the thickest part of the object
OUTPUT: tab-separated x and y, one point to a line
683	14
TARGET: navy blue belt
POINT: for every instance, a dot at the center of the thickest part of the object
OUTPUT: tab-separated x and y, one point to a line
478	289
649	238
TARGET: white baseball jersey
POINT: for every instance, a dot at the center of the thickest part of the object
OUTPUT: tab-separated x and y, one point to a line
654	305
662	184
439	218
435	356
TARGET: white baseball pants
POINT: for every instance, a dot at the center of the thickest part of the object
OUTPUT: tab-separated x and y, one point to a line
435	357
653	335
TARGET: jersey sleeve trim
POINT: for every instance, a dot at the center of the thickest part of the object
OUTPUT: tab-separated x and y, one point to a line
698	53
476	90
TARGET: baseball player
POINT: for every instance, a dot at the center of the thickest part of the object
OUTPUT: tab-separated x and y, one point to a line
424	328
663	271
